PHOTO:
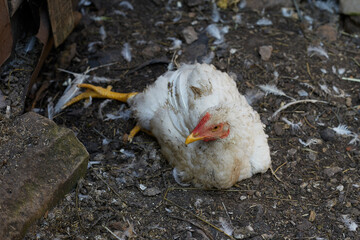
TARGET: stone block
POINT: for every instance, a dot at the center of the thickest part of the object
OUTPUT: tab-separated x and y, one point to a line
39	163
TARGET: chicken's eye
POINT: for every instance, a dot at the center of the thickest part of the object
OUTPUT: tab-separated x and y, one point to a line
217	127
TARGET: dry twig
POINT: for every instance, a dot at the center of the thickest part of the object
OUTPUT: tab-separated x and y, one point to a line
308	70
351	79
293	103
112	233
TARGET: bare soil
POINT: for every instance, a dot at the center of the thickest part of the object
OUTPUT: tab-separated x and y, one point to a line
129	188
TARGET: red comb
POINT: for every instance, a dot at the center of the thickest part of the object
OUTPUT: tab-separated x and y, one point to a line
202	122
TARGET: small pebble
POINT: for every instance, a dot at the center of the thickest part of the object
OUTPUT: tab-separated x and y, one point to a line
292	151
151	50
99	157
327	32
244	232
312	216
265	52
278	128
312	156
328	134
348	102
304	226
304	185
152	191
303	93
340	188
189	34
332	171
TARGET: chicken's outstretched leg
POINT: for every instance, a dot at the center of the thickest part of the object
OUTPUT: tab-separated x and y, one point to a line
100	92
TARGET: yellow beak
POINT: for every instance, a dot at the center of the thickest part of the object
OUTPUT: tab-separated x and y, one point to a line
193	138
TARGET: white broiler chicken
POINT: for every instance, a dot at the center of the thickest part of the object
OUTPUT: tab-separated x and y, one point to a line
205	127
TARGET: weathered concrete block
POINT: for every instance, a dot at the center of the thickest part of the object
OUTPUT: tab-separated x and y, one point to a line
350	7
39	163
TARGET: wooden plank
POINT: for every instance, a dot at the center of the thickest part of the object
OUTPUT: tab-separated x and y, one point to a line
14	5
6	40
61	19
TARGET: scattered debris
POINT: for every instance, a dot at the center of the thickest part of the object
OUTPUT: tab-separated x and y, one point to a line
178	16
294	126
226	226
142	187
311	50
355	140
288	12
198	203
127	153
329	5
94	46
102	33
272	89
237	19
126	4
264	22
8	112
302	93
217	33
177	176
341	71
208	58
310	141
176	43
70	92
88	102
324	88
342	130
126	52
352	226
215	16
119	114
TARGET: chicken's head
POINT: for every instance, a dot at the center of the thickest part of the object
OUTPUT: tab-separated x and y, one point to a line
208	129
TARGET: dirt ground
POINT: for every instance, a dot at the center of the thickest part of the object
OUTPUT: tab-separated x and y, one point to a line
129	190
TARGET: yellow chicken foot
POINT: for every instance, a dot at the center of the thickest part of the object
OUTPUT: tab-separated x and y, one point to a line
133	132
99	92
